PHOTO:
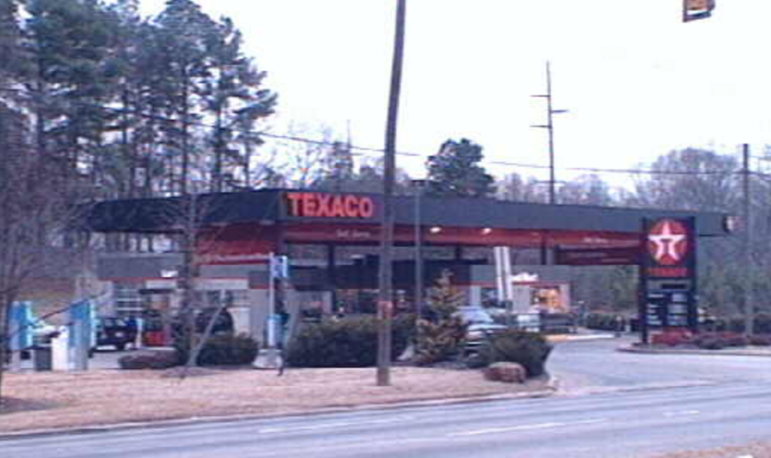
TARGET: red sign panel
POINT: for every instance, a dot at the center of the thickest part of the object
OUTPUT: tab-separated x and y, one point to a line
668	242
326	205
669	248
599	256
599	239
341	233
482	236
236	244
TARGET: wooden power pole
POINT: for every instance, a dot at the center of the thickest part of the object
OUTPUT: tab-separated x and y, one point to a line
385	298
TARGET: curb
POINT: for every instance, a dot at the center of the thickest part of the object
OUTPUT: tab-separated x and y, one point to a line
552	386
664	351
578	338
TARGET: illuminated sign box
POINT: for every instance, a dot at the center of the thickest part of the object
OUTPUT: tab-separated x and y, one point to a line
330	206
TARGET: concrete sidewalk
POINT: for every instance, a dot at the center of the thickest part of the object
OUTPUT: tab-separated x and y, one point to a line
581	336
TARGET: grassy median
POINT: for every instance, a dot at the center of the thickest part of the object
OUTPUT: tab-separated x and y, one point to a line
42	401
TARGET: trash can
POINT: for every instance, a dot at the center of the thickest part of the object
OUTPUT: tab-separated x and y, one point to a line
42	357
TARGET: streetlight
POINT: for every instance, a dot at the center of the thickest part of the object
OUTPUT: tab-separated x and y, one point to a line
418	186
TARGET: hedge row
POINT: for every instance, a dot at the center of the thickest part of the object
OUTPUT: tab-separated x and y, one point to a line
709	340
608	322
348	342
762	324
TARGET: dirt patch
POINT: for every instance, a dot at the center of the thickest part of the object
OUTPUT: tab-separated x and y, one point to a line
110	396
11	405
749	451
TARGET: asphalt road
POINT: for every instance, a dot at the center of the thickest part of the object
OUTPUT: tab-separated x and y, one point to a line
615	405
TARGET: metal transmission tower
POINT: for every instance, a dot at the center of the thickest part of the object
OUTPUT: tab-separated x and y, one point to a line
550	112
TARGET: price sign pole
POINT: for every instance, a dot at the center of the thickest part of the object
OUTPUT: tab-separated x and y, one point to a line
668	276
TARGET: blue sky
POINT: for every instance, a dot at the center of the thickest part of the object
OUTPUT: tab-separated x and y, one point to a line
637	81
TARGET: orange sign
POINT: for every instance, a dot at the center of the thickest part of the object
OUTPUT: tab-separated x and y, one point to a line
698	5
323	205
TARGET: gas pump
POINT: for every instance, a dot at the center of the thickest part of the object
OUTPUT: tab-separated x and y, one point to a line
516	297
20	331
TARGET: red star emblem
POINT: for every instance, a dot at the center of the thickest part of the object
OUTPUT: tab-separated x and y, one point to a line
668	242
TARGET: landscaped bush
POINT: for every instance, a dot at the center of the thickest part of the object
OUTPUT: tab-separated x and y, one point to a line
762	324
441	341
760	341
403	329
348	342
228	350
719	340
150	360
735	324
732	339
710	342
672	338
528	349
441	337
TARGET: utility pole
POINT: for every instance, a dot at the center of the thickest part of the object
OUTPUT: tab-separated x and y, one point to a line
385	298
749	318
550	112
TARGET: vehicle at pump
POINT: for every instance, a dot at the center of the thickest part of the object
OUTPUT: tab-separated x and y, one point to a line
115	332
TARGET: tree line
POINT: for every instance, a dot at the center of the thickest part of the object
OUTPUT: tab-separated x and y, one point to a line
134	106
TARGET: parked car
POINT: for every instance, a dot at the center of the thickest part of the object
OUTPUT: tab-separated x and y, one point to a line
116	332
480	324
559	323
224	323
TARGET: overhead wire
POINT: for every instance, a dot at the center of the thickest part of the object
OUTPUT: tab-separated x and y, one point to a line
363	150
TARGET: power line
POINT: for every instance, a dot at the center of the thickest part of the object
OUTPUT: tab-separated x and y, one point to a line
364	149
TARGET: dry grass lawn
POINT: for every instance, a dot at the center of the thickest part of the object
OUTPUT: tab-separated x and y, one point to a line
41	401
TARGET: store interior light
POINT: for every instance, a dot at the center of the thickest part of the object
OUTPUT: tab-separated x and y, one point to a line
435	230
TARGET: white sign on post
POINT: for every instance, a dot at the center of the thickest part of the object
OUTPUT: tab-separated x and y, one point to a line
521	299
60	351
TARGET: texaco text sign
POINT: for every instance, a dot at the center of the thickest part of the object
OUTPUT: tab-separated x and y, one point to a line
324	205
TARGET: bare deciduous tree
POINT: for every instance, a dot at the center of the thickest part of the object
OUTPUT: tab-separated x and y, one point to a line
34	211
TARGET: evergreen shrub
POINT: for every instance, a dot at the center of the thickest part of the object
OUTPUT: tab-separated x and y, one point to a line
157	360
228	350
531	350
347	342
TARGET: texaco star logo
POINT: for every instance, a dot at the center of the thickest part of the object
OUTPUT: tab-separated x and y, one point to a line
668	242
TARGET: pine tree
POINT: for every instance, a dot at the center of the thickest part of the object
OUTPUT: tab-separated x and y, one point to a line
183	33
234	96
455	171
71	41
13	64
444	299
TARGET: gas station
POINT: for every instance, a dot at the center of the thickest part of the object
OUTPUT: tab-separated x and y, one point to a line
332	240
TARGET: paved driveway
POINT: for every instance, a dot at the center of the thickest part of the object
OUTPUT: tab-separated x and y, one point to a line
595	365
